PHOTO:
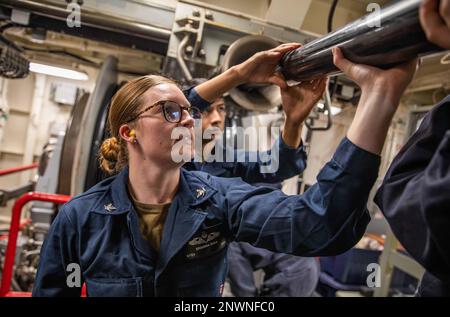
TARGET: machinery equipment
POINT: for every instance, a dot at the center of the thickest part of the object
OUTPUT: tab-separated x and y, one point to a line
194	40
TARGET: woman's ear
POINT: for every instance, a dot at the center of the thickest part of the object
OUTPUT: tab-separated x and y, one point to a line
128	134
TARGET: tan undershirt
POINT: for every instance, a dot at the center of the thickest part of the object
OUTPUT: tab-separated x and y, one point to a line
151	220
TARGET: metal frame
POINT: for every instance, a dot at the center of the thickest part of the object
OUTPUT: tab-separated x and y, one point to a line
6	195
391	259
13	235
210	27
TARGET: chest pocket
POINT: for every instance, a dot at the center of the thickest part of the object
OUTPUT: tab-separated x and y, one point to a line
207	241
203	278
114	287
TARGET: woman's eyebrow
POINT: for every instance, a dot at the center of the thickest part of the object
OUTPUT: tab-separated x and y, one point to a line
186	105
157	103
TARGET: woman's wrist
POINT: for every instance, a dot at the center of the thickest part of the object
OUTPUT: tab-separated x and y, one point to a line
372	120
385	102
382	91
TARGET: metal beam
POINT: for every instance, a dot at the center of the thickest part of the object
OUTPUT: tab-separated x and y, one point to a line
93	19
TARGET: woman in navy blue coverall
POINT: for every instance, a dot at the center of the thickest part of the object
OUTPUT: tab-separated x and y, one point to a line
99	229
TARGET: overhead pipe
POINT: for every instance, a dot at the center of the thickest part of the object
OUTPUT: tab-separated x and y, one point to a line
93	18
18	169
180	57
382	39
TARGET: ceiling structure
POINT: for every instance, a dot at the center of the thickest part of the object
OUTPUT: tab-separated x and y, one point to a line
137	31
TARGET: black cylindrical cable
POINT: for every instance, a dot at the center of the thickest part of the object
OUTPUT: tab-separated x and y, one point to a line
382	39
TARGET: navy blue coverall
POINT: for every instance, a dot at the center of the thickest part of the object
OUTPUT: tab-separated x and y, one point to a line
415	198
99	230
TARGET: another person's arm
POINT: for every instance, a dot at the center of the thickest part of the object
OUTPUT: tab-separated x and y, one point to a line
297	102
413	195
287	155
260	68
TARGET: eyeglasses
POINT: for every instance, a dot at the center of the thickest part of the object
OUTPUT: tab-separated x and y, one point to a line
172	111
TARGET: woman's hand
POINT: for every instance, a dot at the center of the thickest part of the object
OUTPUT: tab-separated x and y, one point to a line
390	83
260	68
435	20
381	91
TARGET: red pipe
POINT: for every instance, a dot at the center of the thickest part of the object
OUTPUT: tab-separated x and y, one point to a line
18	169
14	231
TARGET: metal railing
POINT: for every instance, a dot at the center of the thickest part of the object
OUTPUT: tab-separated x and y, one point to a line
13	235
18	169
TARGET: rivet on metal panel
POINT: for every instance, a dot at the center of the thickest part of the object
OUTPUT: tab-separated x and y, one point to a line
189	49
209	15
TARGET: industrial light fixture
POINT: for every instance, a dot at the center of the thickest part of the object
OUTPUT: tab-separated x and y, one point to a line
58	71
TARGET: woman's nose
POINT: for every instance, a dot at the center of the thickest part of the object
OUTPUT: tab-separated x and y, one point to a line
216	118
187	120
